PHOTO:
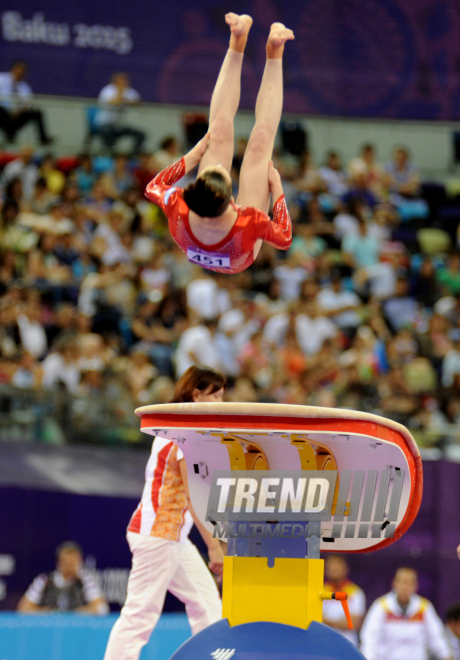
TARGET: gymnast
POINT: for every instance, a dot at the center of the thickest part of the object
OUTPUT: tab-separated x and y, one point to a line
204	221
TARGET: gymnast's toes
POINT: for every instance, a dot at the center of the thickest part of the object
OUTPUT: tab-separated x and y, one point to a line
239	24
279	34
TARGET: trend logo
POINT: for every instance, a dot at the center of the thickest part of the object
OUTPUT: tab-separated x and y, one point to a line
249	504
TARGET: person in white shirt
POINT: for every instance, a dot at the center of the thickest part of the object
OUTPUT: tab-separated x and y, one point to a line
226	341
312	329
336	570
205	298
346	221
15	104
452	629
24	169
366	168
241	323
402	625
61	367
31	330
109	234
402	309
340	305
291	277
451	360
197	345
334	175
377	280
68	588
167	154
113	101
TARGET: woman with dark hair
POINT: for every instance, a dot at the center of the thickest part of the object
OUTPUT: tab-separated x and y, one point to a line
204	221
199	383
163	557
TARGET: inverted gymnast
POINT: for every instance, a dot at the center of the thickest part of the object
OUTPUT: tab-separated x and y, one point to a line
204	221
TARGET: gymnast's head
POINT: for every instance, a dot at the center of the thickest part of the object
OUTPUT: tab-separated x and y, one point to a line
200	384
210	195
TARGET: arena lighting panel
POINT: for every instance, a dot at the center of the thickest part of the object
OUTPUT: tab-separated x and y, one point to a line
378	462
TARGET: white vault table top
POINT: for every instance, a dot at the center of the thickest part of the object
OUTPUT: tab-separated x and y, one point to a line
358	441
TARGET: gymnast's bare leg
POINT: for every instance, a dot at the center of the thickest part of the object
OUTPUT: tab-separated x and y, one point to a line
254	189
226	96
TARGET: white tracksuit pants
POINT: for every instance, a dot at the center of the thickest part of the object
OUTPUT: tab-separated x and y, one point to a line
160	566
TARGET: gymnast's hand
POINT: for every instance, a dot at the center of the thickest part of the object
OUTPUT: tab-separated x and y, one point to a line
274	182
194	156
216	557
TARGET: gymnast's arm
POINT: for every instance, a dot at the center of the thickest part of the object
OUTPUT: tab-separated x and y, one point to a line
158	186
216	556
279	231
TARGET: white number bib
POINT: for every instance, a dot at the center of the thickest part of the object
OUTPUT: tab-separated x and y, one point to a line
208	259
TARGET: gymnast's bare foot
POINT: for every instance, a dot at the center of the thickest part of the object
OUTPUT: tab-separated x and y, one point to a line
239	27
238	24
278	36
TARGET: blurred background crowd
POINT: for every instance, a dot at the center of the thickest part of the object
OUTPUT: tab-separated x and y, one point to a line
100	311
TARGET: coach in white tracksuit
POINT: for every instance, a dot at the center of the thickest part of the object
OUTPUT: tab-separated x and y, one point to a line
403	626
163	557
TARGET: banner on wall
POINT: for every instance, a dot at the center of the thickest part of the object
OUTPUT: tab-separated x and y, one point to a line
368	58
50	494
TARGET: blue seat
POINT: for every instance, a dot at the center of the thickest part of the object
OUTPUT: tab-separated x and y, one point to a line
91	114
92	127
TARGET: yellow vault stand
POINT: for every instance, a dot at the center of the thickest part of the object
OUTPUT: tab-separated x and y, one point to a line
289	593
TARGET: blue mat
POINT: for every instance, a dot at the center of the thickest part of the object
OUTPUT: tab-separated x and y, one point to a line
267	641
78	637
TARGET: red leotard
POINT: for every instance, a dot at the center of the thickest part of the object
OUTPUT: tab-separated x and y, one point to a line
236	250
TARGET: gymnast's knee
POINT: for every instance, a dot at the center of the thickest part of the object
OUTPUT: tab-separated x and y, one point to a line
261	142
221	131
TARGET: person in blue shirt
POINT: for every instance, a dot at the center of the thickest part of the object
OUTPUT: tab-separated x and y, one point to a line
361	249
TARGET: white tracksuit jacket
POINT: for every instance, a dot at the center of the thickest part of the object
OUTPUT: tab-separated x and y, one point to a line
389	634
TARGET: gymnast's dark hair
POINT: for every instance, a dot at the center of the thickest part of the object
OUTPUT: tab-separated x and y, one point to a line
197	377
209	196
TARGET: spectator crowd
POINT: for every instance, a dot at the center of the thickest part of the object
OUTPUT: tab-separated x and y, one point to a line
362	312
